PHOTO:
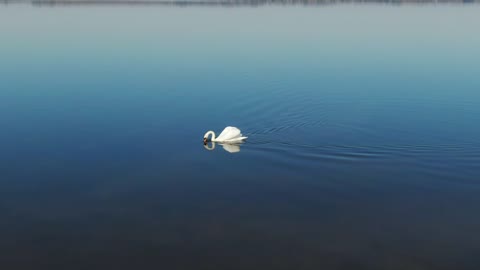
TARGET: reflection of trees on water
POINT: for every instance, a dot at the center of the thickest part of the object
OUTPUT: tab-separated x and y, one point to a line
226	2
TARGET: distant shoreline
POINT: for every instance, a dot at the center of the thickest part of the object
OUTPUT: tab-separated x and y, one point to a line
231	2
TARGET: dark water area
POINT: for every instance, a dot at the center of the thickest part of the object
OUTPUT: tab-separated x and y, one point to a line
363	126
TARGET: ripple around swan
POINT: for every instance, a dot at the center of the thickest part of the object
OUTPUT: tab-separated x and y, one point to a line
302	127
463	159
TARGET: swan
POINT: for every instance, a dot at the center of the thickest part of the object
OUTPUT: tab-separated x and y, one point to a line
228	135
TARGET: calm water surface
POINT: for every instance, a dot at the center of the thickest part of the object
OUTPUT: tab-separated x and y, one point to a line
363	126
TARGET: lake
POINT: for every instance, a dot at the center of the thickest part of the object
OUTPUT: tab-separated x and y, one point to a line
363	147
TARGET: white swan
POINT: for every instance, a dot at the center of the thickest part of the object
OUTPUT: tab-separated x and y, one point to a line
228	135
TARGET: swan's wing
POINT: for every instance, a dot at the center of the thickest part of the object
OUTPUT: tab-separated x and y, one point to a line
229	133
236	140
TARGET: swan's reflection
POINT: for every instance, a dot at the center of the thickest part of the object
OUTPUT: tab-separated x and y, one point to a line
229	147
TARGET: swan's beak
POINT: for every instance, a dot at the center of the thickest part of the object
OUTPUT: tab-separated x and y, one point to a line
205	141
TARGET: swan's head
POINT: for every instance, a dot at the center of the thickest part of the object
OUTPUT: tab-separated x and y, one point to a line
206	139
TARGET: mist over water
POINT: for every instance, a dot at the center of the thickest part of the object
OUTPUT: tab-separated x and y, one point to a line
363	148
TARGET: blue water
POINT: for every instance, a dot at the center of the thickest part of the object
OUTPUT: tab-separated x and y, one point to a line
363	126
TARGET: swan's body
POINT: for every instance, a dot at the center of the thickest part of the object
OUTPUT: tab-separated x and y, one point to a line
228	135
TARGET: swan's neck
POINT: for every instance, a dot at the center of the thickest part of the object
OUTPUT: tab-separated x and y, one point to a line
210	133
